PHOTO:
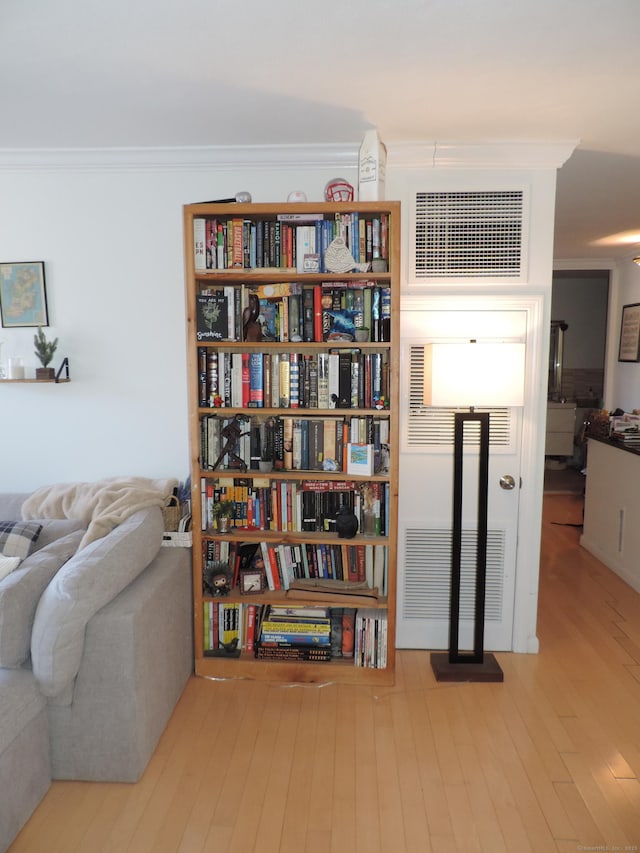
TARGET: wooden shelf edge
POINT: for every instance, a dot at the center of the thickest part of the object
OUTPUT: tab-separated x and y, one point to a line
340	672
236	534
35	381
279	597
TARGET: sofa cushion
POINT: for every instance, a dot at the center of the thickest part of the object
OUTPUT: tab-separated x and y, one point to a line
7	565
11	504
56	528
20	592
17	538
20	702
94	576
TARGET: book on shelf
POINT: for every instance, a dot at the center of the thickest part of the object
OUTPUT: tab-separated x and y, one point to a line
211	317
256	380
278	611
348	631
273	625
336	631
294	638
250	630
293	653
199	244
370	634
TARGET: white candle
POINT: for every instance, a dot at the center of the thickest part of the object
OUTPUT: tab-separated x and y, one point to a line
16	368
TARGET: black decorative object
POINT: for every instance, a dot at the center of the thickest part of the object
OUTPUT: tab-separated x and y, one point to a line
346	523
251	329
232	434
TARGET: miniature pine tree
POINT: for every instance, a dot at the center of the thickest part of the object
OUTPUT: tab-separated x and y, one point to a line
44	349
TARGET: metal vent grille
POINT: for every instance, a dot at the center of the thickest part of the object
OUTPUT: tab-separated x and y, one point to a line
427	561
469	234
431	426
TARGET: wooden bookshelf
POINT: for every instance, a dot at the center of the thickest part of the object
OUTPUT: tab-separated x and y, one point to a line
267	256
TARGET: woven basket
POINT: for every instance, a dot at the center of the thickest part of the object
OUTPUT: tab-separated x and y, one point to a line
171	514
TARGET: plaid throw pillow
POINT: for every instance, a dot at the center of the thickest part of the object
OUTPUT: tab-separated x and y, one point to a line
17	538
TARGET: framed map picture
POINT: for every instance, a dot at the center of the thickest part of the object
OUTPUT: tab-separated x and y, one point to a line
630	333
23	296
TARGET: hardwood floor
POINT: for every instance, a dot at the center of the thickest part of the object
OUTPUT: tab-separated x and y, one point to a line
547	761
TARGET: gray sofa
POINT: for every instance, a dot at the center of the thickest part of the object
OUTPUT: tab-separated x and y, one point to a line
95	650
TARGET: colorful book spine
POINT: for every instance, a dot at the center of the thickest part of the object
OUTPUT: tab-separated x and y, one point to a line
294	380
256	380
199	244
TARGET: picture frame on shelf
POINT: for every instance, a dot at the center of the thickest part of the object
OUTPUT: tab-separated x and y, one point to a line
252	581
629	349
23	294
360	459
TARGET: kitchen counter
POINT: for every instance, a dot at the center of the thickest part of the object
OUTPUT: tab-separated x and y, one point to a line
612	507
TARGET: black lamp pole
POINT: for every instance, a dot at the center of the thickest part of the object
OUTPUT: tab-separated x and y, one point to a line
455	665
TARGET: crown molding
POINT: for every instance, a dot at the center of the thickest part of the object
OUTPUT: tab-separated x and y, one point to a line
258	157
479	155
400	155
578	264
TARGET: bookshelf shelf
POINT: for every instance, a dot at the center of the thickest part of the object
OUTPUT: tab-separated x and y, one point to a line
307	392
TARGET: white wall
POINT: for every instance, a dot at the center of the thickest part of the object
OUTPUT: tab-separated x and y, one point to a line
580	299
111	240
623	387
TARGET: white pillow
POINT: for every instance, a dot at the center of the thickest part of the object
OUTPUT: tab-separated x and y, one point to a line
7	565
20	592
88	581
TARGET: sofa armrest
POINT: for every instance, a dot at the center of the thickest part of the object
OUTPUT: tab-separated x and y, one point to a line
138	655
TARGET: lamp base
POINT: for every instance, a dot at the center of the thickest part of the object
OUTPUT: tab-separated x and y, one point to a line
488	670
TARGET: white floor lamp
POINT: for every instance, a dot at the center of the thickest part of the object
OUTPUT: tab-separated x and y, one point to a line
469	375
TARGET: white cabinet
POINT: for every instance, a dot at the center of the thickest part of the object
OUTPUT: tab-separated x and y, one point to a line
561	419
612	507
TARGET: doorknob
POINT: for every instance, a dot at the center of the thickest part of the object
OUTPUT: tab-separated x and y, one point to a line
507	482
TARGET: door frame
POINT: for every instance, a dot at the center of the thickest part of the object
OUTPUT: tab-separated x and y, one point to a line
537	307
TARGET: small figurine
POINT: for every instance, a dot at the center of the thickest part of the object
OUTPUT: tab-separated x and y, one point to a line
338	258
346	523
251	328
216	579
232	434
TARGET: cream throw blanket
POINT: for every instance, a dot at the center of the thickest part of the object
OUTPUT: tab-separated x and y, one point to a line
101	505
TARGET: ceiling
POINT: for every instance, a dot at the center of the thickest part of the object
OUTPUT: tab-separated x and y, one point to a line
129	73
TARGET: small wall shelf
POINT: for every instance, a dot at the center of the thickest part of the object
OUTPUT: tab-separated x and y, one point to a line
35	381
58	378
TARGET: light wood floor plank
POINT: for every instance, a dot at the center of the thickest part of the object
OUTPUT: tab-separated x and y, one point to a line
366	799
343	805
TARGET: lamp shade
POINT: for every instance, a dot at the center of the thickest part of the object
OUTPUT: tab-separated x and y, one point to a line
474	374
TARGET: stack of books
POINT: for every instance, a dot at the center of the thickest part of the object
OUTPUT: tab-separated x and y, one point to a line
294	633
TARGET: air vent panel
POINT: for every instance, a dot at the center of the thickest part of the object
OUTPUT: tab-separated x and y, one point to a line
427	572
476	234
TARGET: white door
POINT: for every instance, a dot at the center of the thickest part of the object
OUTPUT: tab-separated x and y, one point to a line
426	488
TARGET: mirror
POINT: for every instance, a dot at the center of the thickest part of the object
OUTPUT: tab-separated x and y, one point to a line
556	344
